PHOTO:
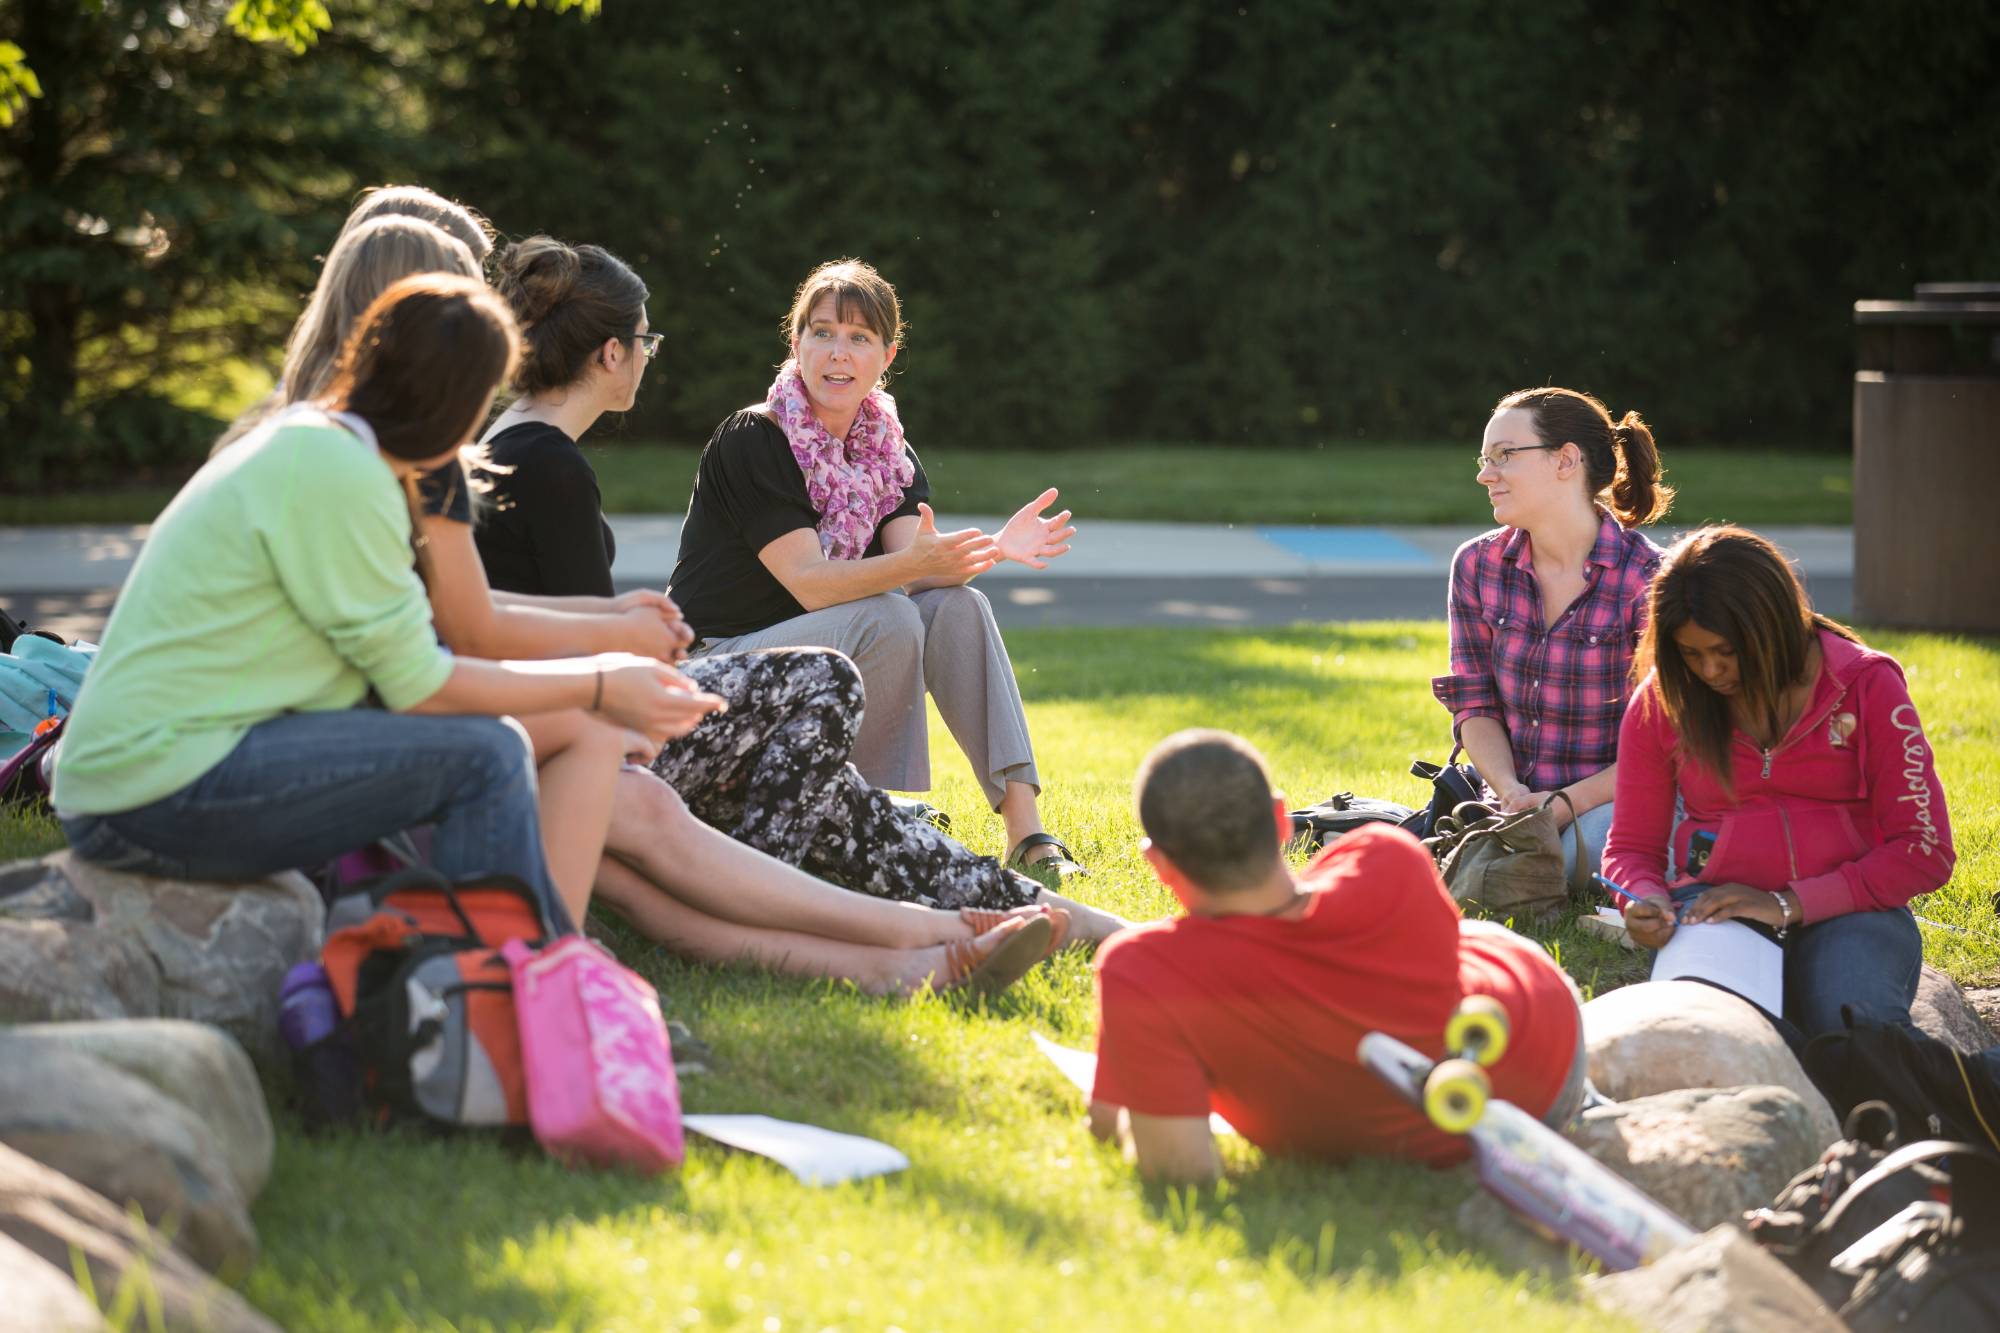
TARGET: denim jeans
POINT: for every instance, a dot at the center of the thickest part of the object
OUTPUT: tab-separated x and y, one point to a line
1868	961
1595	826
303	788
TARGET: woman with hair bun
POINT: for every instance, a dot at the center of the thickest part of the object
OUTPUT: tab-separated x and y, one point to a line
1808	793
1546	610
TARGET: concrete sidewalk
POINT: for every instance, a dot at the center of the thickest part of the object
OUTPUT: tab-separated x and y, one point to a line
93	558
1120	574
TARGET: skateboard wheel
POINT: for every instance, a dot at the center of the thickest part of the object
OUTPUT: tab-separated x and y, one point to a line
1478	1030
1455	1095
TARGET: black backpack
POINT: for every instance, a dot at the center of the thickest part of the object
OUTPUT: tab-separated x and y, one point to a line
1341	813
1893	1238
1452	785
1932	1088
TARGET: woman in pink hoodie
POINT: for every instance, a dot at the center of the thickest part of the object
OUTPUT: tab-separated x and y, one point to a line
1810	801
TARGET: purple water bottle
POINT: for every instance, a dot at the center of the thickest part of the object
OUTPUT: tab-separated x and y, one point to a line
323	1057
307	1013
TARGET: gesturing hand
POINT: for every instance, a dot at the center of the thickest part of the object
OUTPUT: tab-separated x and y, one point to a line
1031	539
951	557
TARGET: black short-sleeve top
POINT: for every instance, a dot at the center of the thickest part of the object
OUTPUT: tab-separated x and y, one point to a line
748	492
444	492
542	530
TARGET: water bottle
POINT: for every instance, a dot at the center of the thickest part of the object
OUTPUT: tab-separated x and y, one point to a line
307	1012
323	1056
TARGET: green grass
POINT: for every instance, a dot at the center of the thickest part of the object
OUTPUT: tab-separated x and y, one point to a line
1350	483
1011	1216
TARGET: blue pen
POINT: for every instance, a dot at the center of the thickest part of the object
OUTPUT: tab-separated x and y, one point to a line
1618	895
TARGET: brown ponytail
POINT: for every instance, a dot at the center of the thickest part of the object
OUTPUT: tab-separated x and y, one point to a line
1621	463
1638	495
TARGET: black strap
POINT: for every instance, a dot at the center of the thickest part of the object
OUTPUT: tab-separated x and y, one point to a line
1913	1154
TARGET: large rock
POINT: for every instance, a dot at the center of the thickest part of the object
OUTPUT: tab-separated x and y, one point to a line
120	1136
1707	1154
54	1218
1658	1036
1719	1282
1942	1011
1986	1003
80	942
38	1297
201	1067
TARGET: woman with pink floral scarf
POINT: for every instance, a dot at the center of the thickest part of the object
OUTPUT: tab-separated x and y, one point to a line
809	526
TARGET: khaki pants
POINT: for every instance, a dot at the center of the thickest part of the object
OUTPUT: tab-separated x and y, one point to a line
944	641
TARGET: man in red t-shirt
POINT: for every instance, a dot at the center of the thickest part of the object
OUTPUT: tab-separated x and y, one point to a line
1252	1005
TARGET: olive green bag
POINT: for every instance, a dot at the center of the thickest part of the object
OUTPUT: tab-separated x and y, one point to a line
1508	865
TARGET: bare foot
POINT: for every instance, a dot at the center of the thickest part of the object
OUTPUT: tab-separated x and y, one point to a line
916	968
1088	925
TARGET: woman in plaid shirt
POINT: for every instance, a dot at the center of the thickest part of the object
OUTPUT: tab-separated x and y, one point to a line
1545	610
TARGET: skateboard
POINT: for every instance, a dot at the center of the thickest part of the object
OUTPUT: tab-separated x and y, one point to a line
1557	1188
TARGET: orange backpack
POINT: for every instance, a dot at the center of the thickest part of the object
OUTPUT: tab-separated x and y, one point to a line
415	964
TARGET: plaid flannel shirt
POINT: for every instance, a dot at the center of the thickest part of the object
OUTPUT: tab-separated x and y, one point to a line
1559	692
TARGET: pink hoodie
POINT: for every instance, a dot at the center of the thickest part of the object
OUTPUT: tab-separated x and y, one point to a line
1846	810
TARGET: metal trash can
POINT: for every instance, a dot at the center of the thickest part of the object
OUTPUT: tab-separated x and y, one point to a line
1927	459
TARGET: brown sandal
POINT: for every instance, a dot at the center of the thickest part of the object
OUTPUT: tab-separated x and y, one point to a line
983	919
991	971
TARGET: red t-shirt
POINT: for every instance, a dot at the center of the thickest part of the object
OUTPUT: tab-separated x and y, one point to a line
1258	1017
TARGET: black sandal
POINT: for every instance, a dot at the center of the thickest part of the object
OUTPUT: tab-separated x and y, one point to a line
1048	871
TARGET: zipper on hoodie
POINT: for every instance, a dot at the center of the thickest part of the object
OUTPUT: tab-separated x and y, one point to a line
1791	849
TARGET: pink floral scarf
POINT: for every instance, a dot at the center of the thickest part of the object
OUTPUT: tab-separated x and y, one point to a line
854	483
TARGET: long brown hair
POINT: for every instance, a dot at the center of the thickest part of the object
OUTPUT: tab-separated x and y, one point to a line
1735	584
422	362
1621	462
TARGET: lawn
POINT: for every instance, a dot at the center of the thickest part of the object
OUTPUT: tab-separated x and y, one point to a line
1011	1217
1344	483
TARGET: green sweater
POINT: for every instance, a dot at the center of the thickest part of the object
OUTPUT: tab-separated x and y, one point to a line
279	580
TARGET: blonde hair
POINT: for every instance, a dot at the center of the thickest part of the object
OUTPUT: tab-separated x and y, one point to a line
414	201
365	262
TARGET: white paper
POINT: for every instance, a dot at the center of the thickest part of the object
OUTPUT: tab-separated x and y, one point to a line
1080	1068
1730	954
816	1156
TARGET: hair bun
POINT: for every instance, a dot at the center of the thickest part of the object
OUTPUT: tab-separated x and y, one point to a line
537	275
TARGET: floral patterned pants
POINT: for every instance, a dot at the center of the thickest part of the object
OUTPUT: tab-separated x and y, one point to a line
772	772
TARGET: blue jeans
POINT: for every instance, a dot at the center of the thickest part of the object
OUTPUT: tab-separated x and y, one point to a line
1595	826
303	788
1868	961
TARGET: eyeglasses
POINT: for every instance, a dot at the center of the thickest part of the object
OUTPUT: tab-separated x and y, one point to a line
1498	462
649	343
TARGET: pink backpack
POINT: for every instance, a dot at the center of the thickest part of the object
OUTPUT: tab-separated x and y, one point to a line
600	1072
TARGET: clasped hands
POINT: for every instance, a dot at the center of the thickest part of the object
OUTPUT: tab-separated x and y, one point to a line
1651	921
1027	538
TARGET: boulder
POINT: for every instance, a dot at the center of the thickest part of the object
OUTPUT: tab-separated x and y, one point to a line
1986	1003
39	1297
1658	1036
1941	1010
201	1067
1706	1154
120	1136
54	1218
81	942
1719	1282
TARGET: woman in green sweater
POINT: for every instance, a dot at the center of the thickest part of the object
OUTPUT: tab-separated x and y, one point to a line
217	737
